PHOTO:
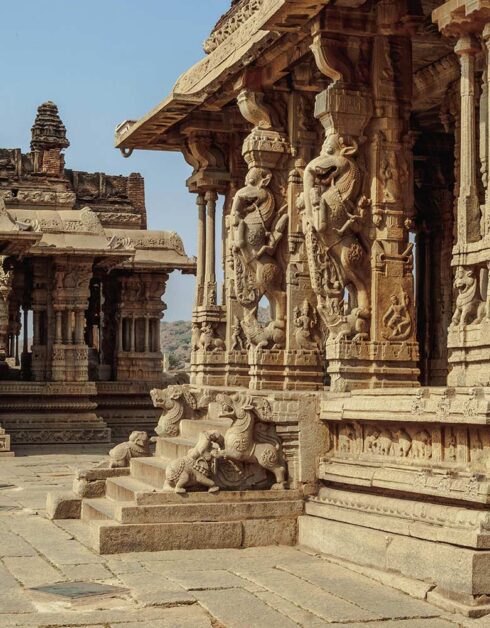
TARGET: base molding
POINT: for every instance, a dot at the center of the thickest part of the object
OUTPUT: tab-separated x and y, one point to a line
457	575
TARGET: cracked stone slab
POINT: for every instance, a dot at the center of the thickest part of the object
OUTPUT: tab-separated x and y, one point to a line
241	609
310	597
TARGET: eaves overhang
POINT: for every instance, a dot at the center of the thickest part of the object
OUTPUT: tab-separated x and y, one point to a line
198	85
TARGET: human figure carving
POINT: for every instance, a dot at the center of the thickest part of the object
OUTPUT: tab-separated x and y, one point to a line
305	323
397	318
237	343
347	435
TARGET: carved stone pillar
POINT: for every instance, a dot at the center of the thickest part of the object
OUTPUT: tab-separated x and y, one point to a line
201	249
356	226
138	310
58	338
469	331
258	227
79	326
305	352
147	335
210	276
40	363
210	178
468	222
5	292
70	297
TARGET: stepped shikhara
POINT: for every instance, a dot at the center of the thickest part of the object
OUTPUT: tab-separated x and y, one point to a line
349	144
81	286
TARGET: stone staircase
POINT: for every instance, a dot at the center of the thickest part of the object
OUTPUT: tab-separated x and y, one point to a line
136	515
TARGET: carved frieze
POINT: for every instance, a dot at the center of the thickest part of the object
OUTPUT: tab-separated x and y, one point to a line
416	444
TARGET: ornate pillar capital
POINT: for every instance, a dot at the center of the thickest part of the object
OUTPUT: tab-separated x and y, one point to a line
467	44
202	152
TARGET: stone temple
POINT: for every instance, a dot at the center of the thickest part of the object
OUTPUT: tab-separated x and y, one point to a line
341	156
81	281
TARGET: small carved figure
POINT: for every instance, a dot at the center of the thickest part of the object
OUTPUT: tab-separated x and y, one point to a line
305	322
384	443
138	446
260	337
470	308
347	435
451	447
195	469
246	441
370	441
404	444
208	339
390	175
237	342
397	318
196	334
422	445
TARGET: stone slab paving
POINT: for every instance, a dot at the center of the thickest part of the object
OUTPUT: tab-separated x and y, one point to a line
256	587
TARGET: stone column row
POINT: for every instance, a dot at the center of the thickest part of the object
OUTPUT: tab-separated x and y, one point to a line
127	333
206	287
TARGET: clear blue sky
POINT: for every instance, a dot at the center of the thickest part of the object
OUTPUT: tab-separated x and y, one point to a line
101	62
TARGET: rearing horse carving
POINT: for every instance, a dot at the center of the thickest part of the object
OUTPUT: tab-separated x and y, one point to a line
248	440
257	231
334	235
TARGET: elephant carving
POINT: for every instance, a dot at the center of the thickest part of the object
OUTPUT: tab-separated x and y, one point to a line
195	469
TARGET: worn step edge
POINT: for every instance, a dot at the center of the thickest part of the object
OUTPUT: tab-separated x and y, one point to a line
158	498
126	488
200	512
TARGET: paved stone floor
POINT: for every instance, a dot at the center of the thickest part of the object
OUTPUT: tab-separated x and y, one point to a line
264	587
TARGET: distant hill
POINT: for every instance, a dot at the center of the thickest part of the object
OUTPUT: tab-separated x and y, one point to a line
176	339
176	343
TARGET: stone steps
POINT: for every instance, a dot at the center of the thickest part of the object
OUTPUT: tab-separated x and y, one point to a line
174	447
98	509
112	536
127	488
135	514
149	470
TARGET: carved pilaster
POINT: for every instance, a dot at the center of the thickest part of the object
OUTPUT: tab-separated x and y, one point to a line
209	178
468	223
66	349
358	206
469	331
258	224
